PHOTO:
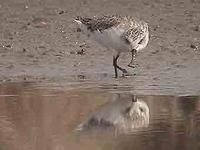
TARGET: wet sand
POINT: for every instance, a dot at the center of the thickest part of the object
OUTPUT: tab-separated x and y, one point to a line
39	42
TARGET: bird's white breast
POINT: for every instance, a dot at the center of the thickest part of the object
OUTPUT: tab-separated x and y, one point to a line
110	38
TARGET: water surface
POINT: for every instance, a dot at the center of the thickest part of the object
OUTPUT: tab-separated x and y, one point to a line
38	118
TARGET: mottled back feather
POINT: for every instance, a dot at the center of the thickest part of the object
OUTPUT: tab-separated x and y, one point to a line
99	24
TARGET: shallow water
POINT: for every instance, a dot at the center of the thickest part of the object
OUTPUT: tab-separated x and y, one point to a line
47	117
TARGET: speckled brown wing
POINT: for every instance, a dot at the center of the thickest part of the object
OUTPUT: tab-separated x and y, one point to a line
99	24
134	34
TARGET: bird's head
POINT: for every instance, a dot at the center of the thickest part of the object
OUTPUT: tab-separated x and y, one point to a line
137	38
138	110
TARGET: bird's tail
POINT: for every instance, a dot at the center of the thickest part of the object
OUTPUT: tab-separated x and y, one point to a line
83	20
83	23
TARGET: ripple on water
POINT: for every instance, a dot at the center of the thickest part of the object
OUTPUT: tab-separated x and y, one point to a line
47	117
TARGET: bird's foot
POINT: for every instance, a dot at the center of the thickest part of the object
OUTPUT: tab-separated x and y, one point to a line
124	71
131	65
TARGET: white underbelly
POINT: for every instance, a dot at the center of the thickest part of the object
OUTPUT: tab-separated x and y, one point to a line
111	38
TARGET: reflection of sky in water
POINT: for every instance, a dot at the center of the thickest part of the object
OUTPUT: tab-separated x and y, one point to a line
33	118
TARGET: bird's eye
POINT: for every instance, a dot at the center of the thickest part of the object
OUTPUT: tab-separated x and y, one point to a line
141	109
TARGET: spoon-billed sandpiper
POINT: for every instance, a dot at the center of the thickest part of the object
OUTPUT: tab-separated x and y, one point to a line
121	34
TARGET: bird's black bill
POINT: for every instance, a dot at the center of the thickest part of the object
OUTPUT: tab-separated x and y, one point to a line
134	98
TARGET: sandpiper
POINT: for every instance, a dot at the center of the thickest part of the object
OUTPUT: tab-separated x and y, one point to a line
121	115
121	34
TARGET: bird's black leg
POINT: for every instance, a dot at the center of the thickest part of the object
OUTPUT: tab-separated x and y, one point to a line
117	67
131	64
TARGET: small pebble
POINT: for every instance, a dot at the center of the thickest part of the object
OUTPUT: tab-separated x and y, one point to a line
72	52
44	53
194	46
61	12
42	47
156	27
8	46
82	45
197	28
85	2
78	30
30	55
81	52
81	76
40	22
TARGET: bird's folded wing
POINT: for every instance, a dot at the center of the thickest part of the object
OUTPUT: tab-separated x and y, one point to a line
99	24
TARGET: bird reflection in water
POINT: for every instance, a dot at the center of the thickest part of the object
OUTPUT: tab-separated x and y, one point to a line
122	115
